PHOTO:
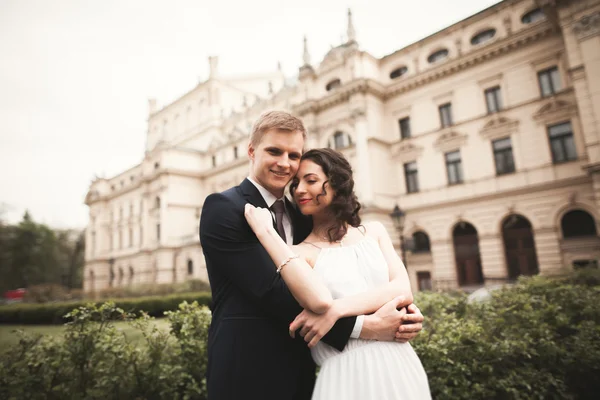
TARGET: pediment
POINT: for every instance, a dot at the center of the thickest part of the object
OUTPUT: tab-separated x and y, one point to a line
499	126
406	151
450	140
554	111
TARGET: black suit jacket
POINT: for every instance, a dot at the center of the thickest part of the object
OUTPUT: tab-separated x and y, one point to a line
250	353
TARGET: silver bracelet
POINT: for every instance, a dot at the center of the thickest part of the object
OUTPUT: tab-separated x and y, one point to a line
287	260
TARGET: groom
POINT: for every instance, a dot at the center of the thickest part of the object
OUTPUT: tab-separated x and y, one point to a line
250	352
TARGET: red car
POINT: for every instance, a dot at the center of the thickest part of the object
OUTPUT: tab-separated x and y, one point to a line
14	296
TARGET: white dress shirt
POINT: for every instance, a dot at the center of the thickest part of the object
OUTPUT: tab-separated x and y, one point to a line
270	199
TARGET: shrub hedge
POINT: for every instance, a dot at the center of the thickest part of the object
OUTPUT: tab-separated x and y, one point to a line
53	313
538	339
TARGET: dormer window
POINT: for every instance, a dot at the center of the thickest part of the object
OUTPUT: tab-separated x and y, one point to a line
438	56
398	72
483	37
333	84
532	16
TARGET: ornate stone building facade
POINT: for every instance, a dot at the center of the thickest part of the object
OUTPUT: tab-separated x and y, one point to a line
487	134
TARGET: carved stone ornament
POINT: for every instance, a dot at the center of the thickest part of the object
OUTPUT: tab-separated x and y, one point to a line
450	140
498	127
587	26
555	111
405	151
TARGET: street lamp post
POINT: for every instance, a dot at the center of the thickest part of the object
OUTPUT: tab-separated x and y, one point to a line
398	216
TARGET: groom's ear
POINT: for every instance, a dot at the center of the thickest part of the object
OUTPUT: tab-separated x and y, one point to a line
251	151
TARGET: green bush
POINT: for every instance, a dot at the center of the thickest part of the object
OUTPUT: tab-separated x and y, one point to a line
539	339
95	360
53	313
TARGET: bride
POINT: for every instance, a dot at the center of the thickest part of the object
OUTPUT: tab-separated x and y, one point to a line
342	268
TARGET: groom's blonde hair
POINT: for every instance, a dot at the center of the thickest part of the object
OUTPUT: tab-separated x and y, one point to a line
278	120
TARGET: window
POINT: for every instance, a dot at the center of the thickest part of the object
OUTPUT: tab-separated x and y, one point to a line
214	161
493	99
549	81
341	140
446	115
190	267
483	37
157	202
454	167
421	242
235	153
533	16
424	280
404	124
578	223
333	84
398	72
438	56
503	156
411	176
562	143
158	232
156	165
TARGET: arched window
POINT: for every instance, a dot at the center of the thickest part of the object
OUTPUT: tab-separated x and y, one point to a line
438	56
333	84
421	242
398	72
533	16
340	140
483	37
190	267
466	254
578	223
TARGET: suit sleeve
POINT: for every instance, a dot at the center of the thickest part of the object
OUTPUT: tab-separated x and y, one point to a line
226	236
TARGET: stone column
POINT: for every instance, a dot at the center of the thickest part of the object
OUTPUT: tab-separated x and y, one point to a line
444	266
547	247
585	49
493	263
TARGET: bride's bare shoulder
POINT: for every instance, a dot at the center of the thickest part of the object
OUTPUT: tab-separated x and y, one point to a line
374	229
307	252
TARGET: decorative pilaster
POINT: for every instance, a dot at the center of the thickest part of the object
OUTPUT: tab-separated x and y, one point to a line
363	170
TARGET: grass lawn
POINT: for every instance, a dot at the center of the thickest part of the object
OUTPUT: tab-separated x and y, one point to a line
9	338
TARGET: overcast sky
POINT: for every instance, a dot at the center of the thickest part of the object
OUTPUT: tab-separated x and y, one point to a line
75	75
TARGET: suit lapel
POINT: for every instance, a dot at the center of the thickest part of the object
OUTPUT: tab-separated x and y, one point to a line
252	195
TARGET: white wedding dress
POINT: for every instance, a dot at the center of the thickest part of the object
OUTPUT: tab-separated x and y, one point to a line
365	369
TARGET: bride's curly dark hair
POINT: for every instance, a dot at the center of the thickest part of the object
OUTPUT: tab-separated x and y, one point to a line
345	205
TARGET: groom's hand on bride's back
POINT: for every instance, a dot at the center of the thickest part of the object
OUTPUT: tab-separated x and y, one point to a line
412	323
389	322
